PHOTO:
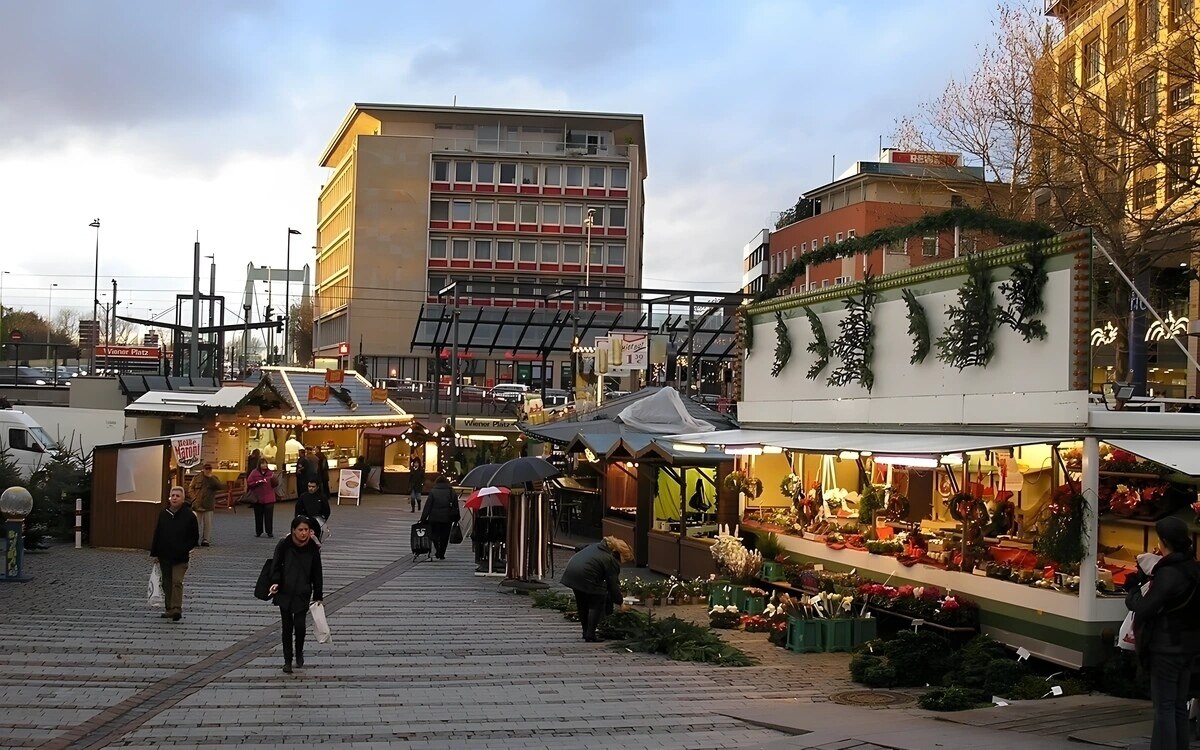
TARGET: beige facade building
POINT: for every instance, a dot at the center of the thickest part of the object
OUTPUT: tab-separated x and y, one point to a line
419	194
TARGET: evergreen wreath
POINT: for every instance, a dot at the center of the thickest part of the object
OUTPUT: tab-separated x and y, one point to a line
1023	290
918	328
855	347
819	345
963	217
783	345
967	340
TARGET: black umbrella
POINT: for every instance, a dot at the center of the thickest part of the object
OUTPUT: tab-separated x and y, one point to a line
521	470
479	477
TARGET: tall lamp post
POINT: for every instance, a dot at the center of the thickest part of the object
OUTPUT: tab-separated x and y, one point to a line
49	323
452	287
587	254
95	303
287	299
2	275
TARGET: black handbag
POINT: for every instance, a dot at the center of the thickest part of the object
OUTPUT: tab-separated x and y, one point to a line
263	584
456	536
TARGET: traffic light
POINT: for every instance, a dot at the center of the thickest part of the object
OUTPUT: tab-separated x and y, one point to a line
360	363
268	313
279	325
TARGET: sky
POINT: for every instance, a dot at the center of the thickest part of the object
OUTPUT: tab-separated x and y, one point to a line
172	120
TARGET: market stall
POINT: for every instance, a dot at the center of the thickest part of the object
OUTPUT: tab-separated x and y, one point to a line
394	448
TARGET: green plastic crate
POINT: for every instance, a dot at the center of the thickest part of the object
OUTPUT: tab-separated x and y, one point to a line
805	636
739	598
773	572
721	593
837	635
754	605
864	629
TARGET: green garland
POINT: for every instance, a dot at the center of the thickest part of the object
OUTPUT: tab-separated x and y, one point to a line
1061	540
783	345
963	217
819	345
1024	294
918	327
967	340
855	347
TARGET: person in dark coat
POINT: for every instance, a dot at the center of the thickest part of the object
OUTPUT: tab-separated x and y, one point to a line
296	580
416	482
441	513
175	536
594	574
314	505
1166	631
322	466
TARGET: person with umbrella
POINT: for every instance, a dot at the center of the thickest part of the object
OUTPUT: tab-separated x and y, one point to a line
441	512
594	574
488	524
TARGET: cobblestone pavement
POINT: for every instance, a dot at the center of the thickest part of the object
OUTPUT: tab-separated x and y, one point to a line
425	655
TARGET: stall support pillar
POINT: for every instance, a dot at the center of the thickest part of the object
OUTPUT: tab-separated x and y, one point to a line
1089	488
644	521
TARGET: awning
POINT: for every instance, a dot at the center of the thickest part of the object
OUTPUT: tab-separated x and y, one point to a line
874	442
1181	455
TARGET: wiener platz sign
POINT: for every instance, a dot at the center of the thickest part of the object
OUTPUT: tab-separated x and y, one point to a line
127	352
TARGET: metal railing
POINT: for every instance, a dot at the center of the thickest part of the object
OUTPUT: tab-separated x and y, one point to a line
542	148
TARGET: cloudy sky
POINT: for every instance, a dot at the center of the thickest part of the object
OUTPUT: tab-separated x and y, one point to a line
170	118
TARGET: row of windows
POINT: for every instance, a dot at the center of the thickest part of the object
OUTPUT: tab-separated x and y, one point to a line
780	260
611	255
527	212
930	248
525	286
512	173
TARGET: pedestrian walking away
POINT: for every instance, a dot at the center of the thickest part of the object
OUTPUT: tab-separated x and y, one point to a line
176	534
441	513
594	574
416	481
264	484
304	469
314	505
322	468
1166	626
203	489
296	580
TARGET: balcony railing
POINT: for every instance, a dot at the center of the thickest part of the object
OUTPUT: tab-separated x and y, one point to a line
540	148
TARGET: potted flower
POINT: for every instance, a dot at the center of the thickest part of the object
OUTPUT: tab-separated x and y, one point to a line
755	600
755	624
724	617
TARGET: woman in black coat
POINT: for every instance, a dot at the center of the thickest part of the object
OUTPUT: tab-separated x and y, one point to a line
296	580
594	574
441	513
1167	633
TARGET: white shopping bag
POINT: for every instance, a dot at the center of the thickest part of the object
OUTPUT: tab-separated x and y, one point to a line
320	624
1125	639
154	590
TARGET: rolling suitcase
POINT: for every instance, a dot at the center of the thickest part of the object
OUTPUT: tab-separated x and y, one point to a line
422	542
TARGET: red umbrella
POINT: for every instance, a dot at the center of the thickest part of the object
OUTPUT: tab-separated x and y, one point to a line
488	497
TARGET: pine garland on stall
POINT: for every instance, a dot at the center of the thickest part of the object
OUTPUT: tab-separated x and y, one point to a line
748	330
819	345
967	340
783	345
855	347
1023	290
918	327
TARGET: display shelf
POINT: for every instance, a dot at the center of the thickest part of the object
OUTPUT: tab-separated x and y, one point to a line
788	588
1130	475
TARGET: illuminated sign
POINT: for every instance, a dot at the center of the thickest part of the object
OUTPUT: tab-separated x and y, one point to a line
1168	328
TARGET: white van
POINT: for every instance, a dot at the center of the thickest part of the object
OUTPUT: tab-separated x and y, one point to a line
26	443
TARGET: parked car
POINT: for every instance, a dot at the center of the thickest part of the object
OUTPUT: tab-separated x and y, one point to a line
615	394
510	392
555	397
23	376
24	440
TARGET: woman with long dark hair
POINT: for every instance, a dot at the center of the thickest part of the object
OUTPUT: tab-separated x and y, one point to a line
296	580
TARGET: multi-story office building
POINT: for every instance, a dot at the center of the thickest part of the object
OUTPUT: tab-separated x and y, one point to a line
755	264
898	188
418	195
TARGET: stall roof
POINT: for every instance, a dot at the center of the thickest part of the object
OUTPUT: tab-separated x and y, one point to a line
161	439
1179	455
875	442
175	403
134	385
605	419
355	403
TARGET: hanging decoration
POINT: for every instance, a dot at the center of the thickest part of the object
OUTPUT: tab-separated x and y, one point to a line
967	340
1023	290
819	345
918	327
783	345
1060	533
856	345
748	331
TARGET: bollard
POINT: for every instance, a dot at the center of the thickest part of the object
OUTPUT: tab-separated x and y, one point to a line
78	522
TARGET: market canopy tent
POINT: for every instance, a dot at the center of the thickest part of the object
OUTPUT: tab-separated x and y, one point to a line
873	442
1181	455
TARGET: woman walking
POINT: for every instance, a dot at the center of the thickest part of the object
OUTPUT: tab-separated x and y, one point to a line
594	574
296	580
416	482
1166	630
263	483
441	512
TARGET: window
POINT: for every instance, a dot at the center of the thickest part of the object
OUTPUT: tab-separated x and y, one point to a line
596	177
1147	22
1145	192
441	170
1118	38
814	244
803	247
553	175
616	255
597	215
528	252
595	253
20	440
825	241
529	174
529	213
895	248
573	215
850	233
551	214
488	136
549	252
839	236
1181	76
1180	96
1181	165
508	174
462	250
485	173
485	212
504	251
437	248
1091	60
439	210
1146	92
572	253
506	213
483	249
616	216
462	171
1066	72
929	247
574	176
617	178
1181	10
461	211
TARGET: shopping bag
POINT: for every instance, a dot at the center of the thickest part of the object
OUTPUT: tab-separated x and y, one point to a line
263	584
1125	634
154	589
247	498
320	624
456	535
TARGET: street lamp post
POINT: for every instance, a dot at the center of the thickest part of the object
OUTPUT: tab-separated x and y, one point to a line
287	299
452	287
49	318
2	275
95	336
587	259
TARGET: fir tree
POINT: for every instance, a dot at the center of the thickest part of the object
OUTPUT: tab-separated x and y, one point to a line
819	345
856	345
1023	290
918	328
783	345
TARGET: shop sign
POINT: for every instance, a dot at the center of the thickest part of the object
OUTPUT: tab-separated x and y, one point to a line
127	352
628	352
318	393
335	376
475	423
379	395
349	484
187	450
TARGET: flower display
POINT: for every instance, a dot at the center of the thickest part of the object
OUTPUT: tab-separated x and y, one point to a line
732	557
